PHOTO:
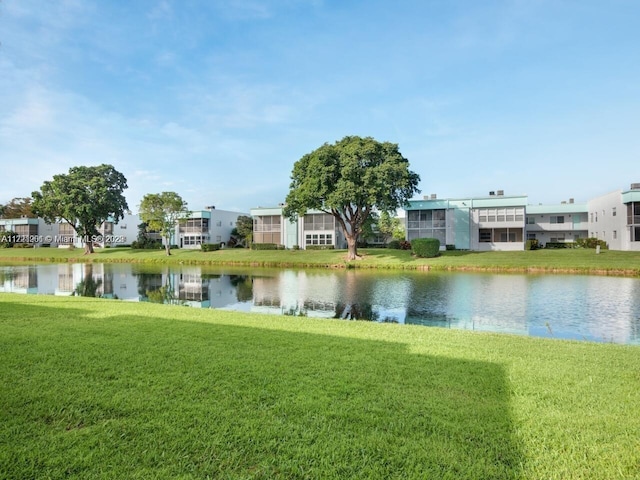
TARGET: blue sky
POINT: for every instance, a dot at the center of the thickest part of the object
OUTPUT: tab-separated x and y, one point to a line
216	100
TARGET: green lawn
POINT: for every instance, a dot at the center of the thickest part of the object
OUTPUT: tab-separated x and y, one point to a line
570	260
96	388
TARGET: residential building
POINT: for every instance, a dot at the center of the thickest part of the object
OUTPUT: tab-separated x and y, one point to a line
561	223
313	228
495	222
615	218
206	226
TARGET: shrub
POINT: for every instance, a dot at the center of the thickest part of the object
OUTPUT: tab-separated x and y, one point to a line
146	244
532	244
425	247
450	247
591	243
210	247
405	245
558	245
394	244
320	247
266	246
6	239
296	247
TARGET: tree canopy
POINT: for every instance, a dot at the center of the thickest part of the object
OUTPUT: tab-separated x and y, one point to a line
86	197
161	212
18	207
348	179
244	227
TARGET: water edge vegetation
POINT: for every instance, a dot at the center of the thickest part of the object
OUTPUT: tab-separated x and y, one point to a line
583	260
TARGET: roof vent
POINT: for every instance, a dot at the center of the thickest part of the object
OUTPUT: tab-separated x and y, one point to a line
635	186
433	196
500	192
492	193
571	200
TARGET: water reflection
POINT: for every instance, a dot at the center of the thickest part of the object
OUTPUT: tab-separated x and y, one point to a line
580	307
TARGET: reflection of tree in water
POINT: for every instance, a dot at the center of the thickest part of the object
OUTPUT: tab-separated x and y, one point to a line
243	285
88	286
152	288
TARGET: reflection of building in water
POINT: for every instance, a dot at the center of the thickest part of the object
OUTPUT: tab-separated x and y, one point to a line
289	292
192	288
473	302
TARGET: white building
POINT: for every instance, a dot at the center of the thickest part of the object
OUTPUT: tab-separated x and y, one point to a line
615	218
206	226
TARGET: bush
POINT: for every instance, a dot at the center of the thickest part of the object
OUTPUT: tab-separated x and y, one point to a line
591	243
426	247
558	245
532	244
405	245
450	247
210	247
296	247
394	244
320	247
147	244
6	239
266	246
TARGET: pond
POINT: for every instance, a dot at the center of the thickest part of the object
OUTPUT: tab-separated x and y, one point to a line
594	308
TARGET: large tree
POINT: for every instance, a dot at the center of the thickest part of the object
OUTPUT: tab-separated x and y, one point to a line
85	198
348	179
161	212
244	227
18	207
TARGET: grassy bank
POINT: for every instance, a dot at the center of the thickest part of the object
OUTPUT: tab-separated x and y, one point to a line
573	261
97	389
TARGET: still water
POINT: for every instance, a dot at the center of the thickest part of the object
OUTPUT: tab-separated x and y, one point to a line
593	308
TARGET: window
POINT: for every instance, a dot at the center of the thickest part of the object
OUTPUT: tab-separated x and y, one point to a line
531	236
615	234
319	239
613	212
266	229
531	220
219	223
558	238
218	238
556	218
319	221
485	235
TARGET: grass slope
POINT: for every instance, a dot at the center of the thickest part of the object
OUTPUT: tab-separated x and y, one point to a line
571	260
101	389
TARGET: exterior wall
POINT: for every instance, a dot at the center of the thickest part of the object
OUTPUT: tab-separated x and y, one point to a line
557	223
206	226
295	233
609	220
482	224
38	233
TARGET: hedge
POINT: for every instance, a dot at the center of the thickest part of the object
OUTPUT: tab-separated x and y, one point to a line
266	246
425	247
210	247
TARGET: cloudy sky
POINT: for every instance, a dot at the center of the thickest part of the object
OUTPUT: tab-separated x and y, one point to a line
217	99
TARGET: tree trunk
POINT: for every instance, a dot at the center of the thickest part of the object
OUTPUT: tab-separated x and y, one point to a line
352	246
167	248
88	247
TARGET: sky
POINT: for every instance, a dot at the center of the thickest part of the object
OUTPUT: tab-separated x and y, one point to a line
216	100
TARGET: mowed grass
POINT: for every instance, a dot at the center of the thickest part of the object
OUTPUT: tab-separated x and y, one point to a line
560	260
94	388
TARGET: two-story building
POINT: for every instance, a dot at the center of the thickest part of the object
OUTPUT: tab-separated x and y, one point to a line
206	226
494	222
561	223
315	228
